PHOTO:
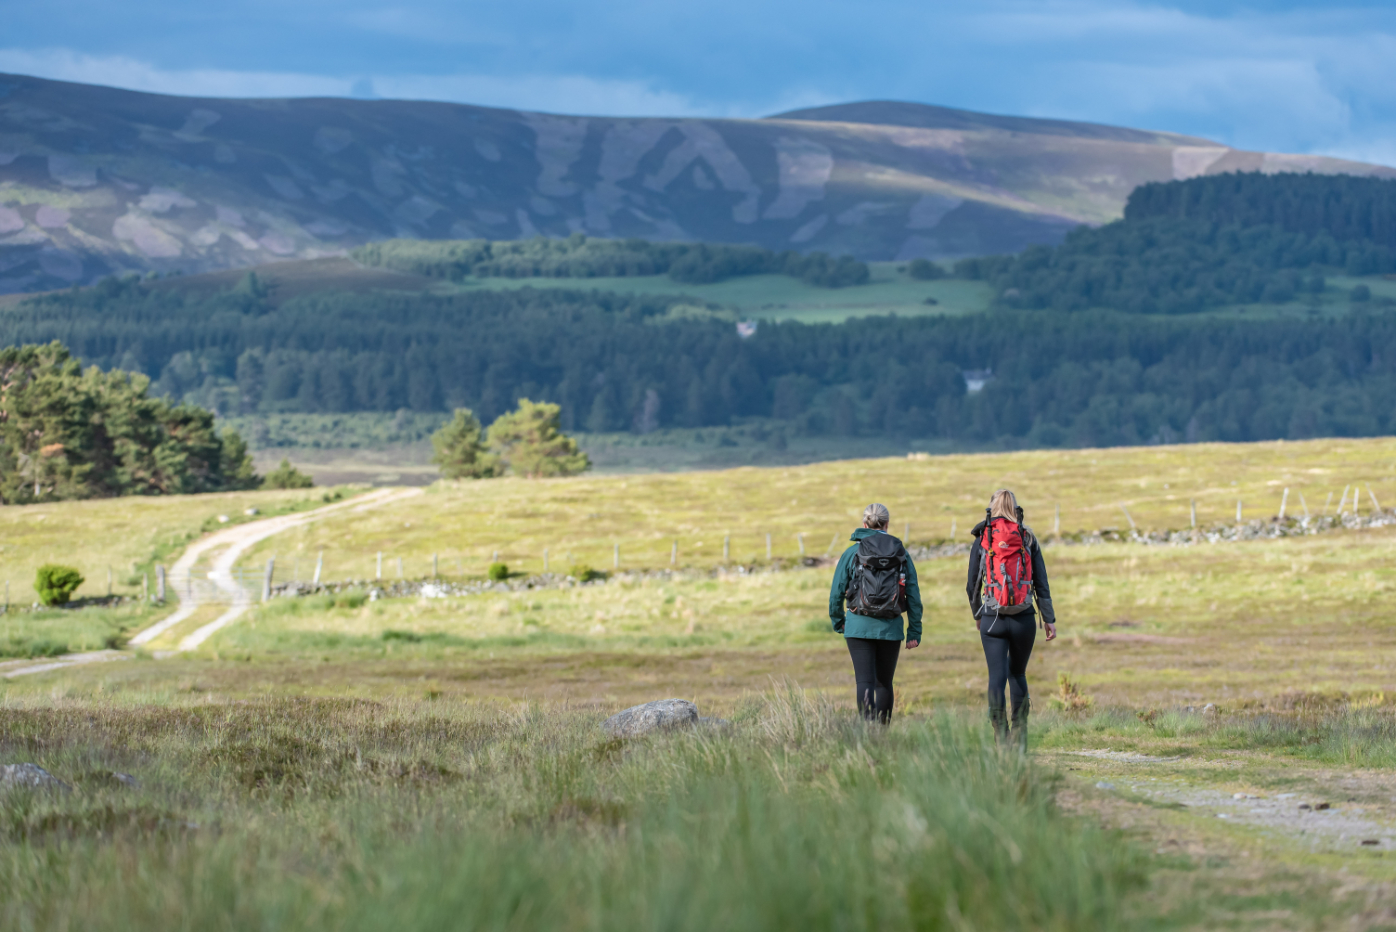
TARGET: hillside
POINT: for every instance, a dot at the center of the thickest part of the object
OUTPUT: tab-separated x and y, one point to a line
96	180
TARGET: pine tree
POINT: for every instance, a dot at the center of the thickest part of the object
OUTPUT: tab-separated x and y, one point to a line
459	451
530	442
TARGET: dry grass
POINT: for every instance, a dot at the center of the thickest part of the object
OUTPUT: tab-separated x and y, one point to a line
580	520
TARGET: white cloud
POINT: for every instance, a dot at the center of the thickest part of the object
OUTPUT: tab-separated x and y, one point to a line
572	94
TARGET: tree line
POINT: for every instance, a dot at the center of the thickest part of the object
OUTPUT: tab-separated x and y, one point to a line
580	256
1187	246
69	432
613	362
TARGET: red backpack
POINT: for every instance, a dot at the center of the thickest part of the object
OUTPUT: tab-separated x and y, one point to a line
1005	569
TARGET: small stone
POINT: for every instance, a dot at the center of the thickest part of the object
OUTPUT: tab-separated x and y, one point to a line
125	779
1371	841
252	511
1209	707
1103	785
29	776
1305	806
652	716
1322	806
1287	796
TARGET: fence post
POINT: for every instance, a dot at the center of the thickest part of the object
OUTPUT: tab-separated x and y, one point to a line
1284	503
319	565
545	559
1303	504
615	557
399	568
1327	502
674	553
952	528
1343	501
801	539
906	531
266	580
1238	511
1056	522
1128	518
380	565
1375	507
1194	514
160	584
435	574
145	587
727	549
768	546
832	542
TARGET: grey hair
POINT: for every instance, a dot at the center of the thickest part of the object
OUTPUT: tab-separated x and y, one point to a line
877	516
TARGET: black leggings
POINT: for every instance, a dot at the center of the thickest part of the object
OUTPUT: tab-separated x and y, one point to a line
1007	642
874	665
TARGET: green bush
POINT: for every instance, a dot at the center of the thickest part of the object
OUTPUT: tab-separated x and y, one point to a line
583	573
287	476
354	598
924	270
56	584
498	571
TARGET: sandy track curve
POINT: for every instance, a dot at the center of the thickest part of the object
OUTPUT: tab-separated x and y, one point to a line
234	542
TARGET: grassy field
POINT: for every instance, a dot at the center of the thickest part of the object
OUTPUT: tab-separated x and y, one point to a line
124	537
331	762
581	520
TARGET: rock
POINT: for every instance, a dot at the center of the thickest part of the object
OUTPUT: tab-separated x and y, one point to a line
29	776
652	716
1209	708
125	779
1371	841
1104	785
1322	806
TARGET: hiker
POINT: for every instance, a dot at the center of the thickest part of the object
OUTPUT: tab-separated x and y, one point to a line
878	581
1005	572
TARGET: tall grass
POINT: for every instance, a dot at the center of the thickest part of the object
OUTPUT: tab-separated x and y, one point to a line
339	815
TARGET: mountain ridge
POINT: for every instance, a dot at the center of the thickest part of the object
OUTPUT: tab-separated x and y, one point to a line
96	180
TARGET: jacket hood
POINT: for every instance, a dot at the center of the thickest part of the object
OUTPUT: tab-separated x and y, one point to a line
864	532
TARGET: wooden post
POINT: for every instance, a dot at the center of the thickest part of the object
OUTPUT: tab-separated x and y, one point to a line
1056	522
768	546
1344	500
399	568
109	582
1128	518
266	580
435	572
1284	503
833	541
726	548
160	584
1376	508
952	528
1326	502
379	573
801	539
319	565
906	531
674	554
545	560
615	556
1303	504
1194	514
1238	511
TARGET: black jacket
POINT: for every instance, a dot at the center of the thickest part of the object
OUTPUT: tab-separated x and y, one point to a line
1041	592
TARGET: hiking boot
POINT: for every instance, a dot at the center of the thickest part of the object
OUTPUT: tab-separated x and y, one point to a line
1018	733
998	717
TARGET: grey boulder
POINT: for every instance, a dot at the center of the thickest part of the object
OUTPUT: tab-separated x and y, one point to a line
652	716
28	776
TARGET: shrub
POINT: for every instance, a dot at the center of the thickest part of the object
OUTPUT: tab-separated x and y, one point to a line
55	584
498	571
354	598
287	476
583	573
924	270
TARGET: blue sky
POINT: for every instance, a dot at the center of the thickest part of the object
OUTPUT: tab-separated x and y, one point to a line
1283	76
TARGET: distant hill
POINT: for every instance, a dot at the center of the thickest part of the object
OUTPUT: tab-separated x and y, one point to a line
95	180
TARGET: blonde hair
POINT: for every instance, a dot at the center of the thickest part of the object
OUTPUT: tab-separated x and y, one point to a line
876	516
1003	504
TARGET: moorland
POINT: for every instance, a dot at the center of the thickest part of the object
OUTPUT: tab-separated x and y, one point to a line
1213	731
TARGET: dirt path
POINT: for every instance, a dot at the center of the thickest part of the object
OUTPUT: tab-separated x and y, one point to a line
233	543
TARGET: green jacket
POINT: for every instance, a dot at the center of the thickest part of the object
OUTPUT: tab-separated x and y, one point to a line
852	625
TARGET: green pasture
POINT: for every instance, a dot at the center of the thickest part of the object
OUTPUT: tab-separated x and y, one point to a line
780	297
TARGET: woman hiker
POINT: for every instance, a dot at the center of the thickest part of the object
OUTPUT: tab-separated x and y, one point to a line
1005	572
878	581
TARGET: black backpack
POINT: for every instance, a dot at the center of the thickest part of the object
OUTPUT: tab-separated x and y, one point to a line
877	585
